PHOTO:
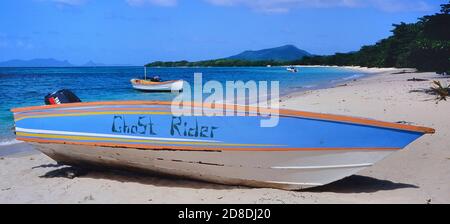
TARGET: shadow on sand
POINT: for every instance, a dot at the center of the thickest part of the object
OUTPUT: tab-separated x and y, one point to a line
146	178
360	184
352	184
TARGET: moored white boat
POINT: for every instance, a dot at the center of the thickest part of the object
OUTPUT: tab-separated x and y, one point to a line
156	85
146	85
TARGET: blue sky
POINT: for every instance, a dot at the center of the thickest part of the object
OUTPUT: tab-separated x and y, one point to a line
140	31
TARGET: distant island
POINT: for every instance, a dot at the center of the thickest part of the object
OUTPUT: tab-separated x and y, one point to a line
93	64
51	62
424	45
39	62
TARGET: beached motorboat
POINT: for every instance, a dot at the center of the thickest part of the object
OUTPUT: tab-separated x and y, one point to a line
292	69
304	150
155	84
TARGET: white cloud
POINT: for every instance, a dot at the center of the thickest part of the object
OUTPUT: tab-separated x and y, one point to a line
8	41
3	43
24	44
69	2
164	3
399	6
281	6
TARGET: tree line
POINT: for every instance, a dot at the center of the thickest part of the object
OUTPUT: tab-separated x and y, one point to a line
424	45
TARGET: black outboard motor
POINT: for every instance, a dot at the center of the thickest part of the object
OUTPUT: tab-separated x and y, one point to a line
61	97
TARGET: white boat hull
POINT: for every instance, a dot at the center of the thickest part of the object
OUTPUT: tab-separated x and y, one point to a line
167	87
290	170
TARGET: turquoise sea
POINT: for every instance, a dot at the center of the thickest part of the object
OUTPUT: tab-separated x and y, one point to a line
27	86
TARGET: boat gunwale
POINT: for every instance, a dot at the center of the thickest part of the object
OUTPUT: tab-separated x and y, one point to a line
237	108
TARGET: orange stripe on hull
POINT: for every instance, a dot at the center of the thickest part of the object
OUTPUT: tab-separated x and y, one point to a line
90	110
189	148
282	112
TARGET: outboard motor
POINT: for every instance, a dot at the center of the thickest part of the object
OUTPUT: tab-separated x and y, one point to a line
61	97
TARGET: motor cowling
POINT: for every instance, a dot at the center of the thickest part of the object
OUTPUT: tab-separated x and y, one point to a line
61	97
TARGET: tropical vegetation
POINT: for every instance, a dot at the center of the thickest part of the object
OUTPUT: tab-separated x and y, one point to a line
424	45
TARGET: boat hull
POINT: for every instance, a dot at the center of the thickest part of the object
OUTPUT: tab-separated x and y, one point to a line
288	170
303	150
160	87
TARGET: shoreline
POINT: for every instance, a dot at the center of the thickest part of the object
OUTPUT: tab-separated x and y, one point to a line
366	74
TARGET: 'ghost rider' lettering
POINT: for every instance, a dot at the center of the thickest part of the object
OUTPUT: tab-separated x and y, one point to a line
143	126
182	128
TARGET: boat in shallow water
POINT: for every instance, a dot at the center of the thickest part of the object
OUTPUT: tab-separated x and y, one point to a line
292	69
304	150
155	84
151	86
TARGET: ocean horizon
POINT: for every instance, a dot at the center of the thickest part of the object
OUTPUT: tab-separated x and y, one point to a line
20	87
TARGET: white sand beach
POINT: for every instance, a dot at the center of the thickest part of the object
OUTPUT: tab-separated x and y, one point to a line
418	174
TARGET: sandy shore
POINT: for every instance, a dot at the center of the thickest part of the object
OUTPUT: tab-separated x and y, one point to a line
418	174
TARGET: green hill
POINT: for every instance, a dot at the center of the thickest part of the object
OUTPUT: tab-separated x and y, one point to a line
283	53
271	56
